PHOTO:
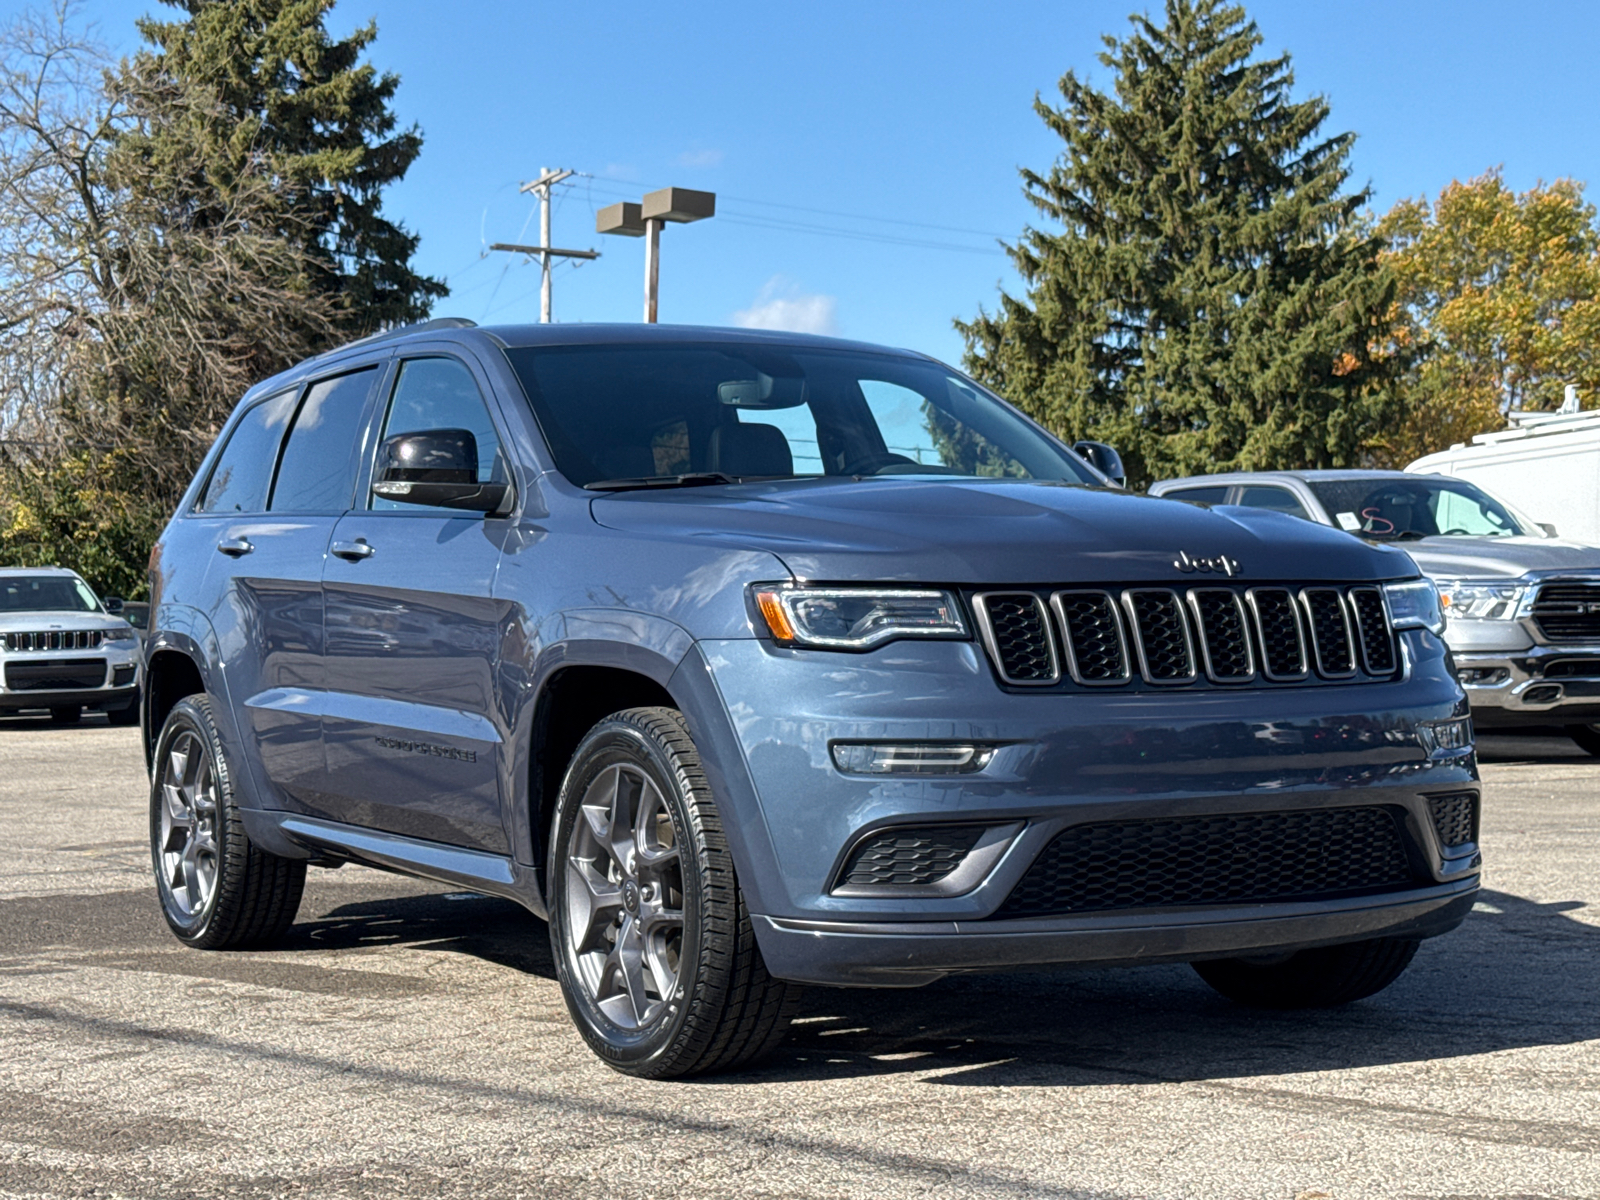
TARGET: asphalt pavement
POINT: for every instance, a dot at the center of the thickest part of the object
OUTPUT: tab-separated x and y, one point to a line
409	1041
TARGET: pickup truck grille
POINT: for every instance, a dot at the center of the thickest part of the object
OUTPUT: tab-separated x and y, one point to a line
55	639
1568	612
1168	637
1232	859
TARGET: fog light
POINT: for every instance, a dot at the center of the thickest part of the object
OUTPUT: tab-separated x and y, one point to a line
1455	734
910	758
1484	676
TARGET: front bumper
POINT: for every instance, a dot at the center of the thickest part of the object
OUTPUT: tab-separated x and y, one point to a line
1539	685
120	673
110	699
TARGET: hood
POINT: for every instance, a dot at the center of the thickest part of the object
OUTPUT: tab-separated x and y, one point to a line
994	532
1458	557
22	622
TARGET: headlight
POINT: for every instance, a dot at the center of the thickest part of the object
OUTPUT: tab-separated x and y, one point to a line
1482	601
1414	604
122	641
858	618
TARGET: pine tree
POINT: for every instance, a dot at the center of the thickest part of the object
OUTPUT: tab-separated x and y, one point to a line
1210	297
289	101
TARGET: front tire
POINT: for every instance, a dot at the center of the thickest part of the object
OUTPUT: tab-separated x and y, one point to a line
1325	977
66	714
1586	736
653	945
218	890
125	716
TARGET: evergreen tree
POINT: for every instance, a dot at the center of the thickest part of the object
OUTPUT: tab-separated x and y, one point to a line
1211	297
285	99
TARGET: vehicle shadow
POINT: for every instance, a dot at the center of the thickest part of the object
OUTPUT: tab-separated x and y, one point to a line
1517	973
1535	744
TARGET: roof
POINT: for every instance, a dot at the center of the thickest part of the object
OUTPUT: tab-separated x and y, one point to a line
13	572
1278	477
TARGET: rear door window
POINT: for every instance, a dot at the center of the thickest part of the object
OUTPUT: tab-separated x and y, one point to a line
1275	498
318	472
238	483
1199	495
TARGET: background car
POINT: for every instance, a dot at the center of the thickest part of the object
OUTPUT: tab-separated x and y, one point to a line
1523	606
61	650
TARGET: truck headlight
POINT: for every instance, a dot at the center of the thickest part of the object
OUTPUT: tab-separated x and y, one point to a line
858	618
1463	601
1415	604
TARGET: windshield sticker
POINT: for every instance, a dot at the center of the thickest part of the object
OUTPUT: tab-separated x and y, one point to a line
1349	522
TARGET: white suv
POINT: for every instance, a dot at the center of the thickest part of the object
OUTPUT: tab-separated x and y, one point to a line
61	650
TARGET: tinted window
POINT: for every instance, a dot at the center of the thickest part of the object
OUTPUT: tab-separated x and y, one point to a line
239	481
1276	498
318	472
46	593
1199	495
440	393
1414	506
752	411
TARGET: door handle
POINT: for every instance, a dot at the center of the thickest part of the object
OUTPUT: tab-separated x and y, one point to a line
351	551
235	547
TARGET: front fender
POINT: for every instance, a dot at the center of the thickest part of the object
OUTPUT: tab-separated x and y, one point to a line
183	630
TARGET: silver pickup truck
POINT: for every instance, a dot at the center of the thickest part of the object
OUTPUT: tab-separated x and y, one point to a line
1523	605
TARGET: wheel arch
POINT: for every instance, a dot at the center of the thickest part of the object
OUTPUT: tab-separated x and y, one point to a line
176	664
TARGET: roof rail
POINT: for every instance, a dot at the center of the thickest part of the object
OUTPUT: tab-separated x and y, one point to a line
402	330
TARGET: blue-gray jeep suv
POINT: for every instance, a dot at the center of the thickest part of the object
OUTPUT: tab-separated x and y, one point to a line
752	660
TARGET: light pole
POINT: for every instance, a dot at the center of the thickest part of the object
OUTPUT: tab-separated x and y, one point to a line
678	205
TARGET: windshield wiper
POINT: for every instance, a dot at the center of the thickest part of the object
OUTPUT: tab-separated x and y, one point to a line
693	479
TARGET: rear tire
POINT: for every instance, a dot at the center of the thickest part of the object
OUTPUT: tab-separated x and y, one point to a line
66	714
1321	978
217	889
1586	736
653	944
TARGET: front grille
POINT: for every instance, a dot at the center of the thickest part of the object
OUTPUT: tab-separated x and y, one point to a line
1455	816
55	674
1019	638
1219	634
1568	612
908	857
1372	630
1239	858
55	639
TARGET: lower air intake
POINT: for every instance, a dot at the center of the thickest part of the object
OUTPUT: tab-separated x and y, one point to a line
1455	817
1237	858
908	857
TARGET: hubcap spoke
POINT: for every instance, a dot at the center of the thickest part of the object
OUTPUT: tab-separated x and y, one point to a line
593	904
188	850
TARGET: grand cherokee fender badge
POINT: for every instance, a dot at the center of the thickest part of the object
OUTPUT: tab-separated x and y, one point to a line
1220	565
389	743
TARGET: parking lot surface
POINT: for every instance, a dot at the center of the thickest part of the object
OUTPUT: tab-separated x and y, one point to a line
410	1041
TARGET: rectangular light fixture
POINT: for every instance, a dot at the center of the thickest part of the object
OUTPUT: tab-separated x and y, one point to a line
910	758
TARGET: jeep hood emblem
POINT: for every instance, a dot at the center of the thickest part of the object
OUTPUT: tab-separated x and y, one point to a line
1221	564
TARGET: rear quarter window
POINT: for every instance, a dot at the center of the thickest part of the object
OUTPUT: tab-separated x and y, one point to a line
1198	495
238	482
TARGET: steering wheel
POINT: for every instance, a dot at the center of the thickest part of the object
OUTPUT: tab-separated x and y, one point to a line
871	464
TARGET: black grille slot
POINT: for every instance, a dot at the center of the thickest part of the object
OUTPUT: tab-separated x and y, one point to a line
1573	668
123	676
56	674
908	857
1372	628
1239	858
1224	638
55	639
1165	654
1568	612
1455	816
1283	649
1096	650
1019	637
1330	632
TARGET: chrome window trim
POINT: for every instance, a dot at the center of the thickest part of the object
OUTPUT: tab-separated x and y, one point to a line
1205	643
1311	631
1299	629
980	608
1059	610
1128	595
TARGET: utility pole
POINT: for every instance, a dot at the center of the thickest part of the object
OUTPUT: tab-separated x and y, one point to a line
544	251
678	205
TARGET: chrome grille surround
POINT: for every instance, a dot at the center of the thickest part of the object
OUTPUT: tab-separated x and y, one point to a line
1224	635
1160	635
1282	634
1092	635
1015	627
1328	624
1567	610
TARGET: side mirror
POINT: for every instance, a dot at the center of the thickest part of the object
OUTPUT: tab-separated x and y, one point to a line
1103	459
1549	530
113	604
438	467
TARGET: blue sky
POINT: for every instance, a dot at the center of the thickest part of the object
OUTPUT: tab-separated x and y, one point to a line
892	131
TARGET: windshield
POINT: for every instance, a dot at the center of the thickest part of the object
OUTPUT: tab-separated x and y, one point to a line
1419	506
46	593
620	413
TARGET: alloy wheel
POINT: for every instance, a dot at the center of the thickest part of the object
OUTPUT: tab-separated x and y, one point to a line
188	852
625	898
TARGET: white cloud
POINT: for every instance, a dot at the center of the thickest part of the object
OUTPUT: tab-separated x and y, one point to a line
700	158
782	305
